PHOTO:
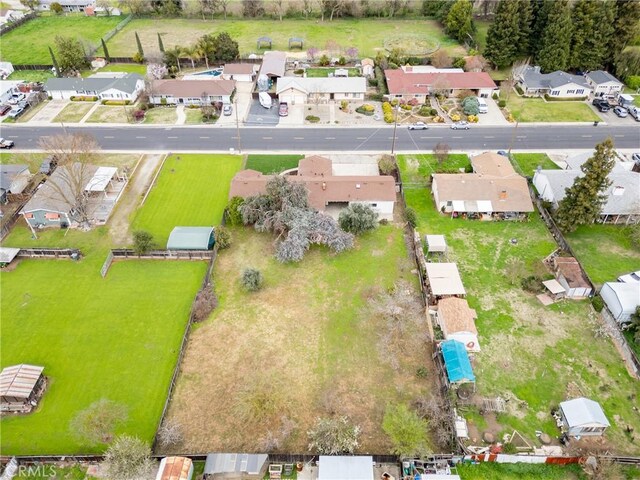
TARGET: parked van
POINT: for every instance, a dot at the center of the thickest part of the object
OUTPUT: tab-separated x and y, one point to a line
635	113
482	106
265	99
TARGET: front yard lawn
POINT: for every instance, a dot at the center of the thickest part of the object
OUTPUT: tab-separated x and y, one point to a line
528	162
537	110
74	112
421	166
272	163
324	72
112	114
191	190
31	112
162	115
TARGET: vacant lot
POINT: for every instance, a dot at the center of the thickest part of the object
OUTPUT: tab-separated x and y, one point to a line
533	355
368	36
74	112
29	43
537	110
427	164
605	251
528	162
272	163
33	160
301	348
191	190
114	338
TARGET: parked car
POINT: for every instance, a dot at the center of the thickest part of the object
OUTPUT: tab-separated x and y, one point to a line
15	99
283	109
504	153
48	165
418	126
227	110
460	125
6	143
621	112
633	277
601	104
635	113
636	157
16	112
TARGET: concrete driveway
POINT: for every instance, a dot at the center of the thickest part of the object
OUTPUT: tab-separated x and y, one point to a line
295	117
612	119
49	111
258	115
494	116
241	102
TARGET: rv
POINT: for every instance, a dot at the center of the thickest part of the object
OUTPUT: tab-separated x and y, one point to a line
265	99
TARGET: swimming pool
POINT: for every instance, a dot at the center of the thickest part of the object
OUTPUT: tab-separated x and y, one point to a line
210	73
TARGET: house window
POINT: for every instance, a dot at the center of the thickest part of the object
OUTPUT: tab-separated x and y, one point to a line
555	92
54	217
570	92
373	205
28	215
580	91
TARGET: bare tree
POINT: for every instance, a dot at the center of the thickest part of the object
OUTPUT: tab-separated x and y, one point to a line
97	423
128	458
106	5
307	8
441	59
440	86
75	154
224	5
278	7
477	63
170	433
395	6
441	151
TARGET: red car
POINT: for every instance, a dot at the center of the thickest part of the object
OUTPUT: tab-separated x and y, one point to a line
283	111
4	109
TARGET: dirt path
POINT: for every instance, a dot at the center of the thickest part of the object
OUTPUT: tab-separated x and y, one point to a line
138	185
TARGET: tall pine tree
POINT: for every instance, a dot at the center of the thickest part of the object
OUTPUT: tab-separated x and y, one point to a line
55	63
459	22
160	44
525	14
592	30
583	201
105	51
626	24
541	9
139	44
502	46
555	43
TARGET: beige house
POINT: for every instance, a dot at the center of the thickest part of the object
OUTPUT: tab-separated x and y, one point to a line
191	92
240	72
457	322
299	91
368	66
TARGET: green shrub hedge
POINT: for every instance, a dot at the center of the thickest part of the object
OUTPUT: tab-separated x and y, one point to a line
366	109
116	102
82	98
549	98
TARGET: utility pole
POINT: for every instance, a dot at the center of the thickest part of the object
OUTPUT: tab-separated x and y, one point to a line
395	127
513	138
237	125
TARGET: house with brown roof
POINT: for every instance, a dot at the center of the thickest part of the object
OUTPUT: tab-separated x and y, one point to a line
420	82
328	193
240	72
175	468
493	189
569	274
457	321
191	92
273	64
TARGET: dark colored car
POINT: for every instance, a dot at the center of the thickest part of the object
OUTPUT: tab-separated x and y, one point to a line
283	110
48	165
5	109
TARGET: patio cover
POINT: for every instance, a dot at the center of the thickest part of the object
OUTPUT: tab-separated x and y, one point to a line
436	243
553	286
458	206
19	380
582	411
8	254
485	206
190	238
456	362
444	279
100	179
343	467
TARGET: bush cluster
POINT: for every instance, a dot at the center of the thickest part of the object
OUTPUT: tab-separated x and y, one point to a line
382	83
312	119
387	111
116	102
81	98
472	118
299	71
502	103
455	117
366	109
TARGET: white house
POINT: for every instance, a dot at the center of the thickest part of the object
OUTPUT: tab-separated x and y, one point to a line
457	322
582	417
603	83
67	5
298	91
115	86
240	72
191	92
8	88
621	299
8	16
555	84
345	467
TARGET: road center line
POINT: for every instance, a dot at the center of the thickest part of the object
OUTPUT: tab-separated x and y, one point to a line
456	137
430	137
267	138
141	137
172	137
619	136
521	136
12	136
361	138
586	136
329	138
489	137
109	136
204	138
298	138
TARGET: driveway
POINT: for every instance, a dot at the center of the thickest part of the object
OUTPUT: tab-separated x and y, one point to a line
49	111
258	115
241	102
612	119
295	117
494	116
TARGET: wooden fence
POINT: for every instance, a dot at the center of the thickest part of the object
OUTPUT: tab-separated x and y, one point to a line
7	27
628	355
129	254
44	252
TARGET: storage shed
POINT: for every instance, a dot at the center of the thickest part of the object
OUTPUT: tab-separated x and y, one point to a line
621	299
235	465
8	254
456	362
444	279
175	468
457	322
20	387
436	243
583	417
343	467
569	274
191	238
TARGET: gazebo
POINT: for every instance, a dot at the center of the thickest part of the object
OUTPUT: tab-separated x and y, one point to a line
296	41
20	388
265	41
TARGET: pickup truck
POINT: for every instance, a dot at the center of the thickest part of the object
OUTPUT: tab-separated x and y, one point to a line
6	143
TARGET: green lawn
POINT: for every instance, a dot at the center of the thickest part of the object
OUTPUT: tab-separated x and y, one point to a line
115	337
528	162
482	29
191	190
367	35
521	471
324	72
112	114
529	352
162	115
605	251
74	112
636	100
31	75
272	163
29	43
423	165
33	160
537	110
125	67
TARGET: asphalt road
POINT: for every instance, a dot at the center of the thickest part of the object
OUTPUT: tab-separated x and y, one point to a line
335	139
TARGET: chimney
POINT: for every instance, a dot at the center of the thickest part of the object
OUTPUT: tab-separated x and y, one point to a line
503	195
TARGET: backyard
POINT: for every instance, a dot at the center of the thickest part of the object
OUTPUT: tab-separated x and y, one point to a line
191	190
538	110
115	337
272	163
302	347
527	163
29	43
368	36
533	356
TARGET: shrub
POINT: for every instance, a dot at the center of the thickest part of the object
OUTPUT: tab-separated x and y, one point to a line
455	117
234	215
205	303
116	102
472	118
344	105
502	103
366	109
407	431
333	436
389	118
633	82
81	98
373	82
163	101
406	106
413	102
387	165
634	235
137	58
358	218
143	242
128	458
223	238
382	83
387	108
324	61
299	71
424	111
393	66
251	279
597	303
470	106
138	115
459	62
519	90
532	284
410	217
494	96
342	61
312	119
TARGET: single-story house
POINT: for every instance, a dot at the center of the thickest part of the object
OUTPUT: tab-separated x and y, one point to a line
298	91
338	467
8	88
583	418
6	69
368	66
20	387
67	5
92	11
273	64
444	280
235	465
456	363
328	193
191	92
191	238
175	468
555	84
13	180
457	321
240	72
113	87
570	275
494	187
413	82
603	84
622	299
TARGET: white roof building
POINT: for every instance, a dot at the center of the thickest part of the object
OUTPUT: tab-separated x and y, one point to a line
444	279
583	417
345	467
621	299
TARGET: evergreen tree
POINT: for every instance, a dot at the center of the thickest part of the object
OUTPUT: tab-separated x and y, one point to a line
55	63
592	30
626	24
540	11
555	43
105	51
160	44
583	201
525	13
501	48
140	51
459	22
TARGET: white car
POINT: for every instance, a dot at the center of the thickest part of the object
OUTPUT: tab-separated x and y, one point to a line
633	277
460	126
418	126
621	112
227	110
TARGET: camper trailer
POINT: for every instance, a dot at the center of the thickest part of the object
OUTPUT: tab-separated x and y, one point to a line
265	99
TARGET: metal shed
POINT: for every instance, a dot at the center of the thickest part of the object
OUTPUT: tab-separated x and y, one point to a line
622	299
234	465
583	417
343	467
456	362
436	243
264	40
20	386
296	40
191	238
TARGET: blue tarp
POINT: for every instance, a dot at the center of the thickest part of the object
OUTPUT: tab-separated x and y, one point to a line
456	361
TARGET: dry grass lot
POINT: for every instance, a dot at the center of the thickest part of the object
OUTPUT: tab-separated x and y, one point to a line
161	115
303	347
74	112
111	114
